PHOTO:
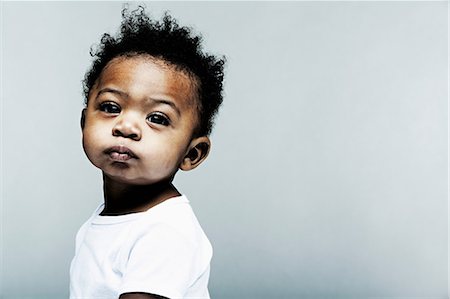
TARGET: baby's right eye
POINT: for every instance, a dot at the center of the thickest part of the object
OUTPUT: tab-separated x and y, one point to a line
110	107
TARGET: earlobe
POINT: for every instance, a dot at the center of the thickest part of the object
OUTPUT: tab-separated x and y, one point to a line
197	153
83	118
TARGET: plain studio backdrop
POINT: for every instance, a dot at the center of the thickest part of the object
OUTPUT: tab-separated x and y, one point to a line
328	171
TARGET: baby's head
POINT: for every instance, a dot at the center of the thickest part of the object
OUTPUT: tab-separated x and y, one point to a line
151	96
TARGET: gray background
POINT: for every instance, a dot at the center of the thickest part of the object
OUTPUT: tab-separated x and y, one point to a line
328	174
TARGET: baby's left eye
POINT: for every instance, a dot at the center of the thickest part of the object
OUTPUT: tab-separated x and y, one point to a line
159	119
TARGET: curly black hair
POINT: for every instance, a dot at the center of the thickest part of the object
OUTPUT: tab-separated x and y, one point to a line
175	45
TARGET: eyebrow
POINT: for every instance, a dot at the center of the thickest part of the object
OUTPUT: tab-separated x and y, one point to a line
171	104
112	90
125	95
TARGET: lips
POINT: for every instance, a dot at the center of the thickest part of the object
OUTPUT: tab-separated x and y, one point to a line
120	153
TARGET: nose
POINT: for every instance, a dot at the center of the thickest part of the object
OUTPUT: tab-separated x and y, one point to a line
127	126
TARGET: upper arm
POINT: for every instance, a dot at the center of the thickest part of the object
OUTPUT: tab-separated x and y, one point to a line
162	262
138	295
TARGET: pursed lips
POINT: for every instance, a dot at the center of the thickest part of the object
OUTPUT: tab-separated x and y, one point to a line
120	153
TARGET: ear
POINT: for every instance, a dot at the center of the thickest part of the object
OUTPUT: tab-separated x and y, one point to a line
196	154
83	118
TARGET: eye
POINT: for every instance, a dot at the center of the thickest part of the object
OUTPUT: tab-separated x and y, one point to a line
110	107
158	118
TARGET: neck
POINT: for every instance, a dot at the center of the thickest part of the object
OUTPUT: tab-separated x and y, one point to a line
121	198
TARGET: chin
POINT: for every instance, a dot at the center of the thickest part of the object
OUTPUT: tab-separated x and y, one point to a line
124	178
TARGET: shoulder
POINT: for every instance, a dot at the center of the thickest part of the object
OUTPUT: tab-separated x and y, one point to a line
174	217
166	253
171	226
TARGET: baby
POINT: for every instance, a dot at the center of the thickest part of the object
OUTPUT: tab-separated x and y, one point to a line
151	96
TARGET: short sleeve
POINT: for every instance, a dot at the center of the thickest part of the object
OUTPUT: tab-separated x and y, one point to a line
162	262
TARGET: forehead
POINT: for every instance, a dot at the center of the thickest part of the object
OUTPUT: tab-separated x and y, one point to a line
143	76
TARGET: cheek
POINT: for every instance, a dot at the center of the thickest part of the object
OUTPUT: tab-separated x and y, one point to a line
86	142
91	141
168	154
88	147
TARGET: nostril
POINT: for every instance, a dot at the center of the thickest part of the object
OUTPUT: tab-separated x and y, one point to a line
133	136
126	134
117	132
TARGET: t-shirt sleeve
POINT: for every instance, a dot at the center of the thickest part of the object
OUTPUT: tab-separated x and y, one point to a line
163	262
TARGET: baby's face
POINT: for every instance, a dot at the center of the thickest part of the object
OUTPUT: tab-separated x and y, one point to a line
139	120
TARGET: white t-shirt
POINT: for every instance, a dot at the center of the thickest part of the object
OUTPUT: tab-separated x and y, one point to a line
161	251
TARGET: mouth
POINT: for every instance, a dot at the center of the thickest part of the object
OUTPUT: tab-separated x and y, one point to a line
120	153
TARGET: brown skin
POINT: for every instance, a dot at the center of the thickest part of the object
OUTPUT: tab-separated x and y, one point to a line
138	128
143	105
140	296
